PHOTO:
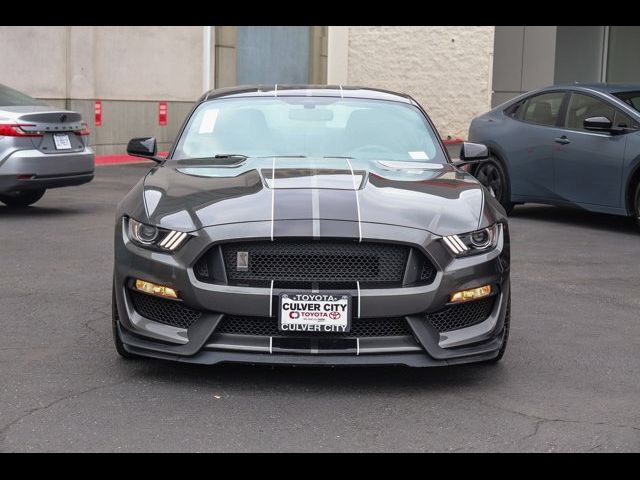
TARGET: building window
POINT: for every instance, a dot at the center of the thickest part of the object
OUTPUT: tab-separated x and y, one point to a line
270	54
623	56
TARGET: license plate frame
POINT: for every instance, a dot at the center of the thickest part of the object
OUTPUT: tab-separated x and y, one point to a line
319	319
62	141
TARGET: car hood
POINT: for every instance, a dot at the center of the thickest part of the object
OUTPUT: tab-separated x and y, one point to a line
189	195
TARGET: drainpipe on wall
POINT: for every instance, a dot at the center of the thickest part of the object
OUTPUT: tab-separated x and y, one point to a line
67	86
206	58
338	55
490	80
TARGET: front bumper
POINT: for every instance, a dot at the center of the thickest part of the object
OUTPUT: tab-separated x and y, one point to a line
200	343
32	169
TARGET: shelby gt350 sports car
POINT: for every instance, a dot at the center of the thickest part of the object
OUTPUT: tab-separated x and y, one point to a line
310	225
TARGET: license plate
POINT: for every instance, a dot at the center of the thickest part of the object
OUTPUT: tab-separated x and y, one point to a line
315	312
62	141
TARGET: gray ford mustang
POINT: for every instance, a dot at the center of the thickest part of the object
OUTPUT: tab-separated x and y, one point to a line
310	225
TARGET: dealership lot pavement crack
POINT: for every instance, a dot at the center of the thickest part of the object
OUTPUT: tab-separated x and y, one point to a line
34	411
539	421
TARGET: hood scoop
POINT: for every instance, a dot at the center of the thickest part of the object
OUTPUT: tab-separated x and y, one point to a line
307	178
400	165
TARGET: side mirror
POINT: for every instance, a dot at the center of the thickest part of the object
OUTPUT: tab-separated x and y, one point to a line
597	124
146	147
472	153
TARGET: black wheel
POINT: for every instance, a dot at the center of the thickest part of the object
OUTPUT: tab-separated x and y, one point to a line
21	199
116	334
505	334
492	174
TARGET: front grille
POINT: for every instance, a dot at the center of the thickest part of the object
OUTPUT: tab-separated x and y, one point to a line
328	264
164	311
462	315
268	327
202	269
428	272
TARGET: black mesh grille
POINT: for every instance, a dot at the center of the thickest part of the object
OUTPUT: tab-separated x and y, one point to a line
334	264
461	316
428	272
164	311
202	269
268	327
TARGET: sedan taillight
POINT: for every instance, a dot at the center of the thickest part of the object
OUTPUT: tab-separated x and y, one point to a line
85	130
15	130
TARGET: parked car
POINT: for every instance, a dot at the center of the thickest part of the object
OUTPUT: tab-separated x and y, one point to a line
575	145
307	225
41	147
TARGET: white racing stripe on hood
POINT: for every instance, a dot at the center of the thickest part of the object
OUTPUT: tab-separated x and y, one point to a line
273	193
355	187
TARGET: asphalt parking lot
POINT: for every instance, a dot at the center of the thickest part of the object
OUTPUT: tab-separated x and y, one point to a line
570	380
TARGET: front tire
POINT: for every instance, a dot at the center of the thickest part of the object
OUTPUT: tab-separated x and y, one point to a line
115	319
22	199
493	175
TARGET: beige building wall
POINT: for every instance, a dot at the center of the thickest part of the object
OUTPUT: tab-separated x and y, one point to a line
108	63
130	69
447	69
34	60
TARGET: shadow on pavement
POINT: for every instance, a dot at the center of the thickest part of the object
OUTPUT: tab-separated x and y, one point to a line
36	211
328	379
576	217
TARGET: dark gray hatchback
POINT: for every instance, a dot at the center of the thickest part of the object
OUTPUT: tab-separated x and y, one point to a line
575	145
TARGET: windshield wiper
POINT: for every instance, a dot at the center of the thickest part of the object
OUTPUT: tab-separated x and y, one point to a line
338	156
229	155
282	156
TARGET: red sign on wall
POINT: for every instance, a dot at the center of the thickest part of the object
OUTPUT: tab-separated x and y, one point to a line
162	114
97	110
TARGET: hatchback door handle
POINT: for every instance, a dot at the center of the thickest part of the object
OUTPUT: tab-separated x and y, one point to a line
563	140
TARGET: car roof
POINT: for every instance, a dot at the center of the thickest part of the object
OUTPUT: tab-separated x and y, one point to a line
306	91
601	87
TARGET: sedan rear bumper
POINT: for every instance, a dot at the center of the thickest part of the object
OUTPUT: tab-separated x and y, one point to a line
32	169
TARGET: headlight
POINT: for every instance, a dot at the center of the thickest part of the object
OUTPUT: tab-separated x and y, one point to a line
473	242
153	237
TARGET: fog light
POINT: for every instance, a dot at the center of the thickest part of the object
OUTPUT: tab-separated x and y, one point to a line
471	294
155	289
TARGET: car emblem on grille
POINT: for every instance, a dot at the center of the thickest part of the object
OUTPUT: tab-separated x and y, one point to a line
243	262
63	118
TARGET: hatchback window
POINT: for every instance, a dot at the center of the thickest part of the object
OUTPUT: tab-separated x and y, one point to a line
582	107
13	98
623	121
310	127
542	109
630	98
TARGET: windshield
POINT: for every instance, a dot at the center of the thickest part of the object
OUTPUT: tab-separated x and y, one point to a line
630	98
13	98
310	127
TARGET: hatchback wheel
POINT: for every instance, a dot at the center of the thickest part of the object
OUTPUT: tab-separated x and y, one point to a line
493	176
21	199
